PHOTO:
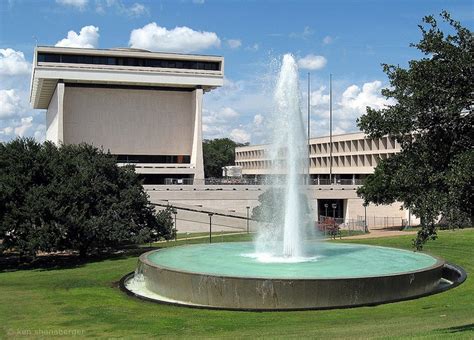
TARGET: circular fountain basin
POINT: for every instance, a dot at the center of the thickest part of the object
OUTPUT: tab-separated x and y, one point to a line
232	276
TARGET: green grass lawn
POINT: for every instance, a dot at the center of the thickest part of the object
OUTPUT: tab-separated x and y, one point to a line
85	300
182	236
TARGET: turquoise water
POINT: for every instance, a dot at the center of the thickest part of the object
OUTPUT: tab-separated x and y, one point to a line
326	260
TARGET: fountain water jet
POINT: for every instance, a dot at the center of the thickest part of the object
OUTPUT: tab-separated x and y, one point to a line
285	237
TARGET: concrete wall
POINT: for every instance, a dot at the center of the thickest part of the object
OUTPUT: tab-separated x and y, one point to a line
233	200
55	115
351	154
52	118
130	121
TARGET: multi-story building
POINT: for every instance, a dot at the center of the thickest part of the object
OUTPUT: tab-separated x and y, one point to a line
335	173
143	107
353	156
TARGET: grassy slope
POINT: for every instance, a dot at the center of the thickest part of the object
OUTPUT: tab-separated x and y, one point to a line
86	299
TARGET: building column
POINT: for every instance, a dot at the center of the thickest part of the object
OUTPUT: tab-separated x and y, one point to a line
196	154
60	89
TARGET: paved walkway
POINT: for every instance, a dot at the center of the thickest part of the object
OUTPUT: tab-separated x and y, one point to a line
376	233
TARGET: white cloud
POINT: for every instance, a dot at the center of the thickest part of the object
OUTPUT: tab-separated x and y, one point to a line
199	2
40	133
318	97
7	131
135	10
78	4
253	47
219	117
228	112
13	62
307	32
327	40
31	125
348	105
250	98
258	120
10	103
218	123
355	100
338	130
234	43
25	124
240	136
88	37
312	62
179	39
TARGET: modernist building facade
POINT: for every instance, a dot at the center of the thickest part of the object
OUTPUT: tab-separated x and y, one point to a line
336	169
351	157
143	107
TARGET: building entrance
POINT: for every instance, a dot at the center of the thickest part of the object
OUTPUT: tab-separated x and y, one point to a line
331	208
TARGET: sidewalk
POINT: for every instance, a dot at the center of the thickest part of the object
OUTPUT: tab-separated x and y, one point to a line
376	233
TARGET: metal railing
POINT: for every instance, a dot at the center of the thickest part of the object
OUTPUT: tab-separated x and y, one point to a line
331	225
384	222
248	181
210	213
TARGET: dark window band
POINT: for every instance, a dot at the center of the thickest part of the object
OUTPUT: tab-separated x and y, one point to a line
179	159
131	87
127	61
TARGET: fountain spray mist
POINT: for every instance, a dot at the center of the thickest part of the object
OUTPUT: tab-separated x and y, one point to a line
289	156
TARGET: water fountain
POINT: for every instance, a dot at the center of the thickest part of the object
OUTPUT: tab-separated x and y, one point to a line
285	269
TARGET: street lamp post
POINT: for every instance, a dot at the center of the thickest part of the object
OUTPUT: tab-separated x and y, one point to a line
326	208
248	213
210	227
334	206
175	212
409	218
366	229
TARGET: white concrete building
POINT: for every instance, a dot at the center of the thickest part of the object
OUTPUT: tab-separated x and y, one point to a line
353	156
144	107
336	171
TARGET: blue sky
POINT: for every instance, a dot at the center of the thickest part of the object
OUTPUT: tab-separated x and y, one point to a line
349	39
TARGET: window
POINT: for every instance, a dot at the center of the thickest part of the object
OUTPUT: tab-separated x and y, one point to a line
179	159
127	61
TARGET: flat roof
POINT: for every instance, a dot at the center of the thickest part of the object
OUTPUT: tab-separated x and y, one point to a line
128	67
127	52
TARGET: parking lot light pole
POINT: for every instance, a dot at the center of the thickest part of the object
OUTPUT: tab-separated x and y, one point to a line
210	227
175	212
248	212
366	229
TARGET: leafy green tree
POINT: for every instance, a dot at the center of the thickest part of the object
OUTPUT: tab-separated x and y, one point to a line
218	153
432	120
270	206
72	197
272	203
24	172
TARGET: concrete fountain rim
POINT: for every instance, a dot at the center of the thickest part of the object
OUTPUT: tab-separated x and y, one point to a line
457	273
144	258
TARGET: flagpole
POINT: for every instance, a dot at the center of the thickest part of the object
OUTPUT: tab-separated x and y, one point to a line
309	127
